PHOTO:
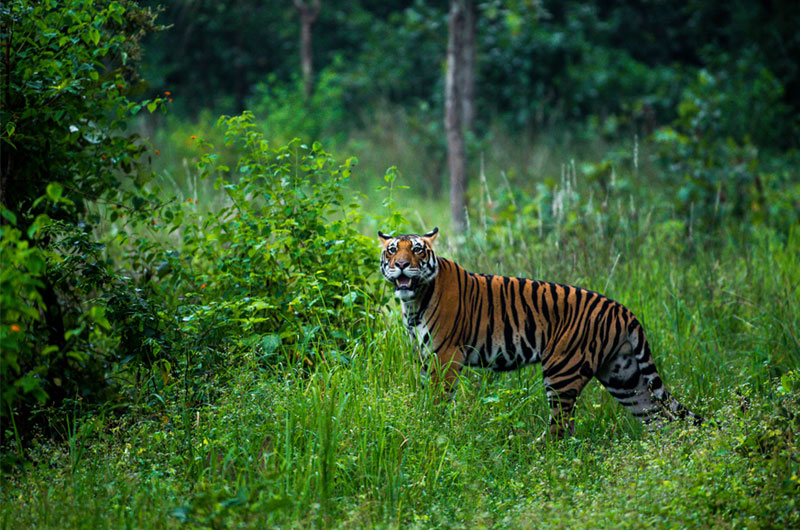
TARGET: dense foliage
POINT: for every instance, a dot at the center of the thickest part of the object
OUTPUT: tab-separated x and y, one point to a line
111	285
193	328
709	84
538	62
281	262
68	75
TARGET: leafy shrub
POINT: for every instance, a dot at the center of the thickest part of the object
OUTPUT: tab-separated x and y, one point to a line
70	71
282	262
67	101
718	149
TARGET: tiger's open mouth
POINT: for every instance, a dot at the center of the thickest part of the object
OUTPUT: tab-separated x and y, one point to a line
403	282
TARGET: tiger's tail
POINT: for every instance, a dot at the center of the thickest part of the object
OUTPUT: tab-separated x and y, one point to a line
665	406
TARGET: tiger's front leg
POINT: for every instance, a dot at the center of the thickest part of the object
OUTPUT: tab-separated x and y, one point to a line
444	369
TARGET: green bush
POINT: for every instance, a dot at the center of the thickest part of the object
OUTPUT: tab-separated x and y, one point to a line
69	71
70	68
280	264
719	151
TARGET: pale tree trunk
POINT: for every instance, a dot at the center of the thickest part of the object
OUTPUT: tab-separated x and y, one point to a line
459	109
308	15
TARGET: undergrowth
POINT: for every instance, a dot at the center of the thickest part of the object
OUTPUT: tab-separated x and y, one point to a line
355	442
279	388
194	331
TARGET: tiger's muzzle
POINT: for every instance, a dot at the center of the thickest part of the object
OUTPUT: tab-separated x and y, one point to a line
406	281
403	282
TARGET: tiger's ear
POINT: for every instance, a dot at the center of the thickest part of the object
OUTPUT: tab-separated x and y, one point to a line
383	237
431	236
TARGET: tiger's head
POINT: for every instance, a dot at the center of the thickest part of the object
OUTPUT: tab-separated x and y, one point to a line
408	262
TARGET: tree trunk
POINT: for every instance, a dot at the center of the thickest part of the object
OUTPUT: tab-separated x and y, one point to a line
467	73
308	15
455	87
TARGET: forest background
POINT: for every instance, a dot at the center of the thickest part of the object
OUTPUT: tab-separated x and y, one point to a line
193	327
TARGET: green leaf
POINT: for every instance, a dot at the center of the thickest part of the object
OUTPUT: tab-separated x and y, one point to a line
54	191
270	343
8	215
350	298
98	314
75	332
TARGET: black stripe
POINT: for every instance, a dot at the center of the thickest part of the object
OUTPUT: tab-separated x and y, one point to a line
586	369
648	369
554	294
503	321
524	326
589	341
557	386
426	298
535	294
558	317
545	312
621	395
490	309
511	294
476	324
508	330
563	362
605	331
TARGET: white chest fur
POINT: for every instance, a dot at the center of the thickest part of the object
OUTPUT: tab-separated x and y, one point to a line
414	322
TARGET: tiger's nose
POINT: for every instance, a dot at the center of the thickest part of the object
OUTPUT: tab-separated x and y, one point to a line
401	264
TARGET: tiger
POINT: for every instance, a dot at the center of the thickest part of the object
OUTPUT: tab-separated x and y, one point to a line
457	318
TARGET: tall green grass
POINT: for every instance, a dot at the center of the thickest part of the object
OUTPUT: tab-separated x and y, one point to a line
356	442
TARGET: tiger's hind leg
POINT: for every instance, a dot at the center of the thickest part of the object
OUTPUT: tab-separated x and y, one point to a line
623	378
